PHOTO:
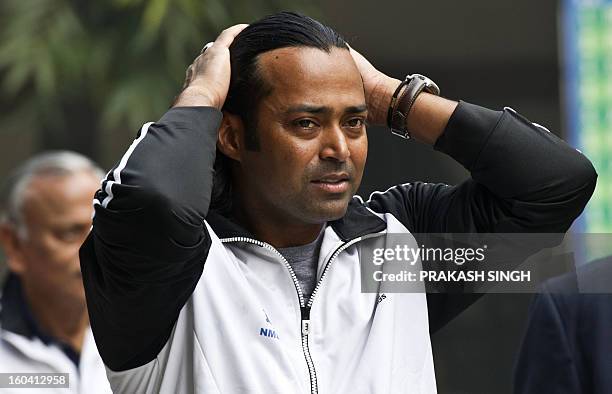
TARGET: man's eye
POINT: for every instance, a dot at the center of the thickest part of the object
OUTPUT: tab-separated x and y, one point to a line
306	124
71	234
68	236
355	123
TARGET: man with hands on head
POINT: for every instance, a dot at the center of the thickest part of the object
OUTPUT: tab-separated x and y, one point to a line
246	278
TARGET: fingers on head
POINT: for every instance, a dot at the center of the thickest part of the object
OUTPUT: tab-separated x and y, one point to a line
227	36
205	47
188	75
223	41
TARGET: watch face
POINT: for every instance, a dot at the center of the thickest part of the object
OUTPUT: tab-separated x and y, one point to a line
430	86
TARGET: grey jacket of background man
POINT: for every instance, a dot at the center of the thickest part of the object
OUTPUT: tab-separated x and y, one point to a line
184	300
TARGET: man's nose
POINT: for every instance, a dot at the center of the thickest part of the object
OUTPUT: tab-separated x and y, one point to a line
334	145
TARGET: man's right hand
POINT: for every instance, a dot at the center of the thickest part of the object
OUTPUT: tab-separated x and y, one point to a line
207	79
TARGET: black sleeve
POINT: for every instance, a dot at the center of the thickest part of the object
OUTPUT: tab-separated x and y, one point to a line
146	251
523	179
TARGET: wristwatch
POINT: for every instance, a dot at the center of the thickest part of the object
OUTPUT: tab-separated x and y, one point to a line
403	99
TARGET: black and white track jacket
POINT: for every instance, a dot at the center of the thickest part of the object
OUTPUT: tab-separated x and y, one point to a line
183	300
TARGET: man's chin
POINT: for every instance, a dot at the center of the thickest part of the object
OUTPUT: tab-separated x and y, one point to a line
329	211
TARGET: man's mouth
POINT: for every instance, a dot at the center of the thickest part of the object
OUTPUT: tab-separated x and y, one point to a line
333	183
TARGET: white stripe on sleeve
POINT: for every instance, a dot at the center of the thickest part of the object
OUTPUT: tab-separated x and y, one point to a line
122	164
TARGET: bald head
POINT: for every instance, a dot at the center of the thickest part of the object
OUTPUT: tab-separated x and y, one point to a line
47	213
50	165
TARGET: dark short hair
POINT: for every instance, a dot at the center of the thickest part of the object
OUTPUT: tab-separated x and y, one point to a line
282	30
248	88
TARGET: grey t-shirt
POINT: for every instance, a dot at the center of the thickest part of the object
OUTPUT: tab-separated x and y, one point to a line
303	260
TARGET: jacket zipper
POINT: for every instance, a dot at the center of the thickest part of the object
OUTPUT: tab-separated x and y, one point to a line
305	314
304	309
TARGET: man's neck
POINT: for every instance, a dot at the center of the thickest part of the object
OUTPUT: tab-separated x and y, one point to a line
287	236
62	319
279	233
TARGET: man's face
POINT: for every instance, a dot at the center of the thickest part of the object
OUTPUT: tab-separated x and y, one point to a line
57	211
312	135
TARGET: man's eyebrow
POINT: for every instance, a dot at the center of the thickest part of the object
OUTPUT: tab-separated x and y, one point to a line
307	108
355	109
313	109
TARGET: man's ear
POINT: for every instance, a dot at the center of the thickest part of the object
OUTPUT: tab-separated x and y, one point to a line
231	136
12	247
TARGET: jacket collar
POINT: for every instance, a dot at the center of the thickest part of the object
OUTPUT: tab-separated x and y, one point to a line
16	317
15	314
358	221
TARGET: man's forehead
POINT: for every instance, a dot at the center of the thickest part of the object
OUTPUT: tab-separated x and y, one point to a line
299	75
59	193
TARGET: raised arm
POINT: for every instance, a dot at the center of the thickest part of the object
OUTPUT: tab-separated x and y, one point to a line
146	251
523	178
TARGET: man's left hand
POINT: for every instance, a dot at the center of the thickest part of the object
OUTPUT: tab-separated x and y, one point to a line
378	88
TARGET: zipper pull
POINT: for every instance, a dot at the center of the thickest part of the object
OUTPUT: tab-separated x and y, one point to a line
305	320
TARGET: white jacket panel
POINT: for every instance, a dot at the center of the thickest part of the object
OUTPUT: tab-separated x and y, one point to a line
240	332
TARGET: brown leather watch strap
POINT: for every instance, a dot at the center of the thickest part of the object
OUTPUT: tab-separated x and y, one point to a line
404	103
394	100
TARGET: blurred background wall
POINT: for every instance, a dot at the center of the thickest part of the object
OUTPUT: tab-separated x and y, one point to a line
84	75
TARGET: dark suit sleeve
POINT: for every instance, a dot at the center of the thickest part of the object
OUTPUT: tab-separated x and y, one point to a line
523	180
567	346
547	363
146	251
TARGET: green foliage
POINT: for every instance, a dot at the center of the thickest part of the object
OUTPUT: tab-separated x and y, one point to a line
94	66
